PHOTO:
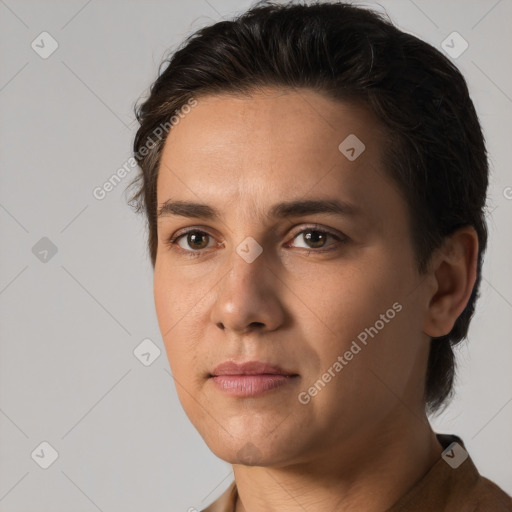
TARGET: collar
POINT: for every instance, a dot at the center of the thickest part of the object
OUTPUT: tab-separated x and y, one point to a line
452	484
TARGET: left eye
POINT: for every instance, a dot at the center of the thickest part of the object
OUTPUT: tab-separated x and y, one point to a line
314	238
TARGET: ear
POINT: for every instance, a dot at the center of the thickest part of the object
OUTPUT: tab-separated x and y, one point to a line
453	269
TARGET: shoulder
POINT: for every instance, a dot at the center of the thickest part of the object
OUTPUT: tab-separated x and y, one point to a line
486	495
474	492
454	484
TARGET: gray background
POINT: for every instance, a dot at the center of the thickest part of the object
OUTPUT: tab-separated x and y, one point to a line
70	323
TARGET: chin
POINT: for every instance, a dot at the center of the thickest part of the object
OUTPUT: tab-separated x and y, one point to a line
238	451
253	453
249	455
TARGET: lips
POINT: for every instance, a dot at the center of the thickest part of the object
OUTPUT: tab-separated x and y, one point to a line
249	368
251	379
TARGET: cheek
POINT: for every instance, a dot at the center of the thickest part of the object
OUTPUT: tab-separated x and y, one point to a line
164	303
172	310
182	307
352	297
382	353
368	304
175	298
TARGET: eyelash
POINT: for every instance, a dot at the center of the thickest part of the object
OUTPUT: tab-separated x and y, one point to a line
172	240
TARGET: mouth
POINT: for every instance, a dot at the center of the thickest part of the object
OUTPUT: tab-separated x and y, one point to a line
249	368
251	378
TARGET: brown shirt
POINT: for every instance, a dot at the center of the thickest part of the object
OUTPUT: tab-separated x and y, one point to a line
453	484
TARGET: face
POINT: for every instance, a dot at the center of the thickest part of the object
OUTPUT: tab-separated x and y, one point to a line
300	258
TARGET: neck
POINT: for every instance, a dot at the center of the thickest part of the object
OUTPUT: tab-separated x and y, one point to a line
371	471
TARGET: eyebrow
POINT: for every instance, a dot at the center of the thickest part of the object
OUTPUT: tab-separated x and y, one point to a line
280	210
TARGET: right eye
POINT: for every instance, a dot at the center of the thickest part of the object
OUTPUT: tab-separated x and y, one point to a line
195	239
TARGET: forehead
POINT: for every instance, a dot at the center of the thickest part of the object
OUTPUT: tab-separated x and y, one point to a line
274	121
271	144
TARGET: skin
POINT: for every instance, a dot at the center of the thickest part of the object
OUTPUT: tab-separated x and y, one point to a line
364	439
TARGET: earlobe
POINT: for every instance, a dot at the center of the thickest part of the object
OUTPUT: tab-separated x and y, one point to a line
454	271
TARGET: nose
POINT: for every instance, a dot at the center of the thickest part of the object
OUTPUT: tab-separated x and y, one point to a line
248	297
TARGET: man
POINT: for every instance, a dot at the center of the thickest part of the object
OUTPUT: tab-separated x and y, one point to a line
316	229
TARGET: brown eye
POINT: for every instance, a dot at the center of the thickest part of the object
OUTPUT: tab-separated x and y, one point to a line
193	240
314	238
